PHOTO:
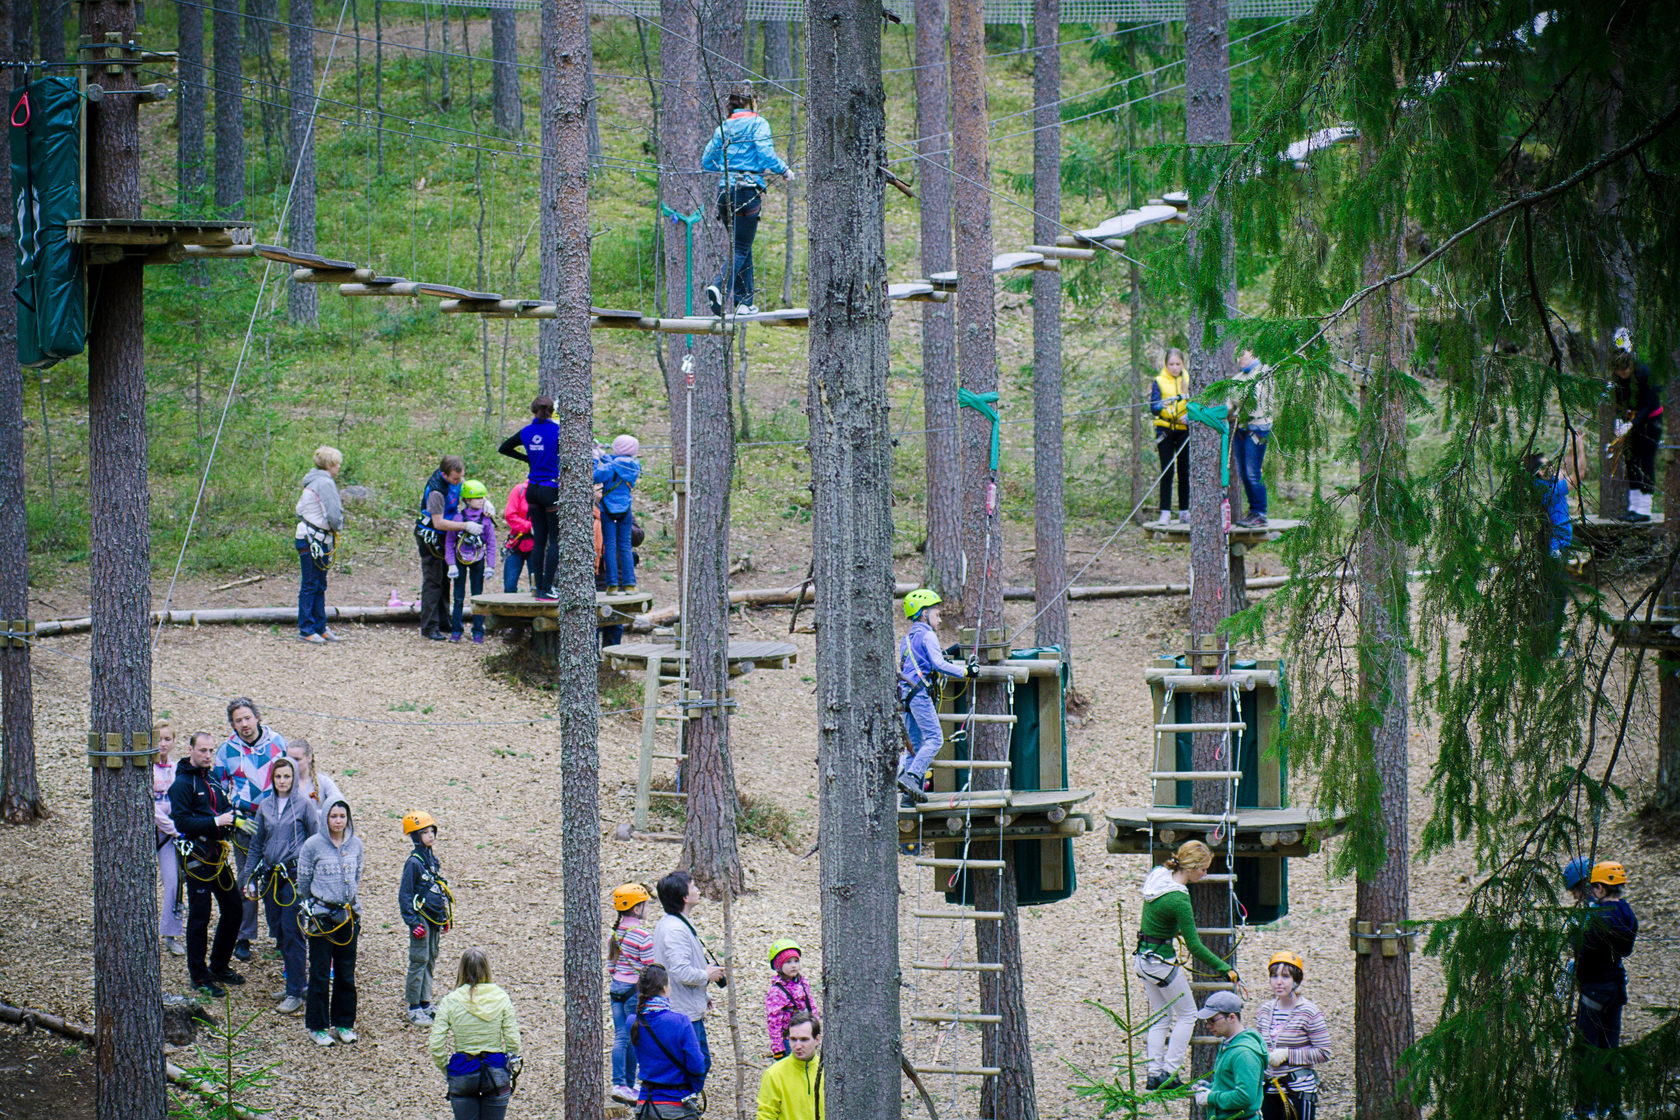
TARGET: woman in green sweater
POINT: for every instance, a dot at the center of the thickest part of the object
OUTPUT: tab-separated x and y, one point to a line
475	1042
1167	916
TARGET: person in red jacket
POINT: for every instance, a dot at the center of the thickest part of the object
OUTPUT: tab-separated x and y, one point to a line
517	553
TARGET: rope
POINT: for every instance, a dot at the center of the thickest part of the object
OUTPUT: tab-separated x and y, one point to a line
250	328
984	404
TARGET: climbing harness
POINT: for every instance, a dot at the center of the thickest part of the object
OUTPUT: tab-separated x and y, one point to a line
323	543
324	919
278	883
433	900
199	865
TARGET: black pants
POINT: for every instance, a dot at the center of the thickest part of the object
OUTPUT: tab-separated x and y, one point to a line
231	905
332	1001
746	203
1172	445
545	535
1289	1106
1642	456
434	579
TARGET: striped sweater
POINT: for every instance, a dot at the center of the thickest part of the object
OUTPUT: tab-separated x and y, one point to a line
635	952
1301	1031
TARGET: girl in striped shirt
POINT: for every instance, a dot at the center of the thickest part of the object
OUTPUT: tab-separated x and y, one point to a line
629	950
1296	1039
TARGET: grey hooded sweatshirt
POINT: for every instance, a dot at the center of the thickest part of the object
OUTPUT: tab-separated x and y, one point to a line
319	505
331	872
283	824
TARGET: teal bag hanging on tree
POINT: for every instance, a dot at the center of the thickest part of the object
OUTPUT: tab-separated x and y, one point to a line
47	194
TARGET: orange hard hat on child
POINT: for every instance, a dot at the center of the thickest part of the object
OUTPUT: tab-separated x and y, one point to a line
629	896
413	822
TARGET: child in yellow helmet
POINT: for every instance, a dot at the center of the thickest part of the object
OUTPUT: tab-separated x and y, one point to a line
789	993
427	909
470	555
920	660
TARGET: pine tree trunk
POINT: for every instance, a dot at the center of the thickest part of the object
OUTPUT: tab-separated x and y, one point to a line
260	18
723	26
1049	507
564	362
1620	267
1383	1026
851	534
1207	117
1135	317
778	50
1666	795
230	109
50	14
684	193
939	329
128	990
302	301
189	106
506	106
22	19
20	793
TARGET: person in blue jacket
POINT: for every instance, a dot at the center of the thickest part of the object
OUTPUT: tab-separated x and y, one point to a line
537	445
920	660
668	1054
741	149
616	472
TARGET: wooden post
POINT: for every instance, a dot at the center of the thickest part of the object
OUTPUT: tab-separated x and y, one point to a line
650	724
128	991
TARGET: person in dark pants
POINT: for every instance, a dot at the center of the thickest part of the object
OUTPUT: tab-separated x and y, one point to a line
329	873
202	813
537	445
439	504
285	821
1606	936
1638	426
740	149
1168	400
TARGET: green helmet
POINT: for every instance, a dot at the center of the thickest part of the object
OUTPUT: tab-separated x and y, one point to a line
473	488
920	600
777	948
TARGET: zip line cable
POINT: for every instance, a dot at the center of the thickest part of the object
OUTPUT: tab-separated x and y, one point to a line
245	347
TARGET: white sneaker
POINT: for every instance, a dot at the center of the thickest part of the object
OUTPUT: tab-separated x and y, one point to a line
624	1094
714	297
330	636
1184	516
746	309
291	1005
345	1034
418	1016
322	1038
1165	518
175	946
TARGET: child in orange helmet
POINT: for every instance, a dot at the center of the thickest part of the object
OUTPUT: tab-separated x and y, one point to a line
427	909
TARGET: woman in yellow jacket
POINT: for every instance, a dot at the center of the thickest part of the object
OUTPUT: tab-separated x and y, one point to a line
1168	398
484	1056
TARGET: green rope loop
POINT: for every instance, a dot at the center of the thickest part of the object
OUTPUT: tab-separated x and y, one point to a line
982	403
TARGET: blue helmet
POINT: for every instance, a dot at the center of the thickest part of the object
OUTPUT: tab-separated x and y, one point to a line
1575	872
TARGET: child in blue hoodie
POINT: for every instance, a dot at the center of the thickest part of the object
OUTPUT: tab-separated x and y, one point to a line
920	663
741	149
616	472
468	555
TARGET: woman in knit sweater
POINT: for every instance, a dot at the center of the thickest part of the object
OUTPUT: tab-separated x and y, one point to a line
1297	1040
1166	980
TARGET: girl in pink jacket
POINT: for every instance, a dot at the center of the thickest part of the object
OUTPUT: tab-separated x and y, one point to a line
789	992
517	552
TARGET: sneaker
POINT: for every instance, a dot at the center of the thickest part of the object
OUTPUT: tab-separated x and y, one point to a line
455	637
911	787
291	1005
418	1016
330	636
714	298
1184	516
1171	1081
478	639
746	309
345	1034
1165	518
624	1094
209	989
175	946
434	635
278	994
322	1038
242	950
1156	1080
312	639
228	976
546	597
1634	516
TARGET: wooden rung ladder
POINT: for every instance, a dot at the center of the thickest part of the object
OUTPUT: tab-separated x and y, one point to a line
954	1017
1188	728
961	864
973	717
959	915
959	966
970	764
961	1071
1194	775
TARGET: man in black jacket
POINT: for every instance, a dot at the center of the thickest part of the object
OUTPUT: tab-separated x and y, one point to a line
202	813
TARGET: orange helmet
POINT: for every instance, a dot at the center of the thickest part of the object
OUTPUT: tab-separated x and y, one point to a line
1610	873
414	821
1284	956
629	896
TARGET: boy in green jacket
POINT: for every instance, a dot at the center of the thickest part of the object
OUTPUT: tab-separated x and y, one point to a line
1234	1090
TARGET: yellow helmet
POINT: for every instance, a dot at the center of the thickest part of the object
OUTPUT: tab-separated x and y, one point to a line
414	821
1284	956
629	896
1610	873
920	600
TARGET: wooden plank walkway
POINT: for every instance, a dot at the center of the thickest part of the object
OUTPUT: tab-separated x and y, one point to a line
610	610
1279	832
1178	532
743	656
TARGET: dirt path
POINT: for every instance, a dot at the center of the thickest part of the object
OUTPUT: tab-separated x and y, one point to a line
405	723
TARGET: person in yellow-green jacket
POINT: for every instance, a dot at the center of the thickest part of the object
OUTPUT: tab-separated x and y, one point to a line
1169	397
1232	1091
791	1089
475	1042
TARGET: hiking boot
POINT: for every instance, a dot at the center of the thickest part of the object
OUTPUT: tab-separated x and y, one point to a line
291	1005
345	1034
714	299
175	946
322	1038
209	989
418	1017
242	950
227	976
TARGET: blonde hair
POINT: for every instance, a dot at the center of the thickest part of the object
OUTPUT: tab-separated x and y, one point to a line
327	458
160	726
1192	855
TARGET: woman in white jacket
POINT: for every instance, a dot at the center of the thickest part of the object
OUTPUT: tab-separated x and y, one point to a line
320	516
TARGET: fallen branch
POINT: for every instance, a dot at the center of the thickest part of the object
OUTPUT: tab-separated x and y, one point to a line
239	583
236	615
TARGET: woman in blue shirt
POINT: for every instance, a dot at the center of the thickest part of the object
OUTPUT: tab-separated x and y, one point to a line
537	444
667	1050
741	148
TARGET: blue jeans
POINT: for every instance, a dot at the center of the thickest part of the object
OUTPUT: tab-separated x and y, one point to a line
1251	452
512	564
921	723
293	949
747	206
475	573
619	561
623	999
312	594
699	1026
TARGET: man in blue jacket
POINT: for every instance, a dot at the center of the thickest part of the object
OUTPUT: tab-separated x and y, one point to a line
741	149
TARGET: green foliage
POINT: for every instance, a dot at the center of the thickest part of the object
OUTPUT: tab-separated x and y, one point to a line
225	1070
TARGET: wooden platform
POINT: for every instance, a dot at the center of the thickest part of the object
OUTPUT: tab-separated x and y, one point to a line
1662	632
109	240
500	607
1019	814
743	656
1606	532
1275	832
1178	532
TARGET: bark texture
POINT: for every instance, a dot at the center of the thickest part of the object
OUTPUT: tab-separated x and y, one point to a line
1383	1026
50	16
1667	793
506	107
230	109
1049	507
778	50
20	793
851	534
1135	360
189	103
939	322
128	992
302	300
683	215
564	359
1207	129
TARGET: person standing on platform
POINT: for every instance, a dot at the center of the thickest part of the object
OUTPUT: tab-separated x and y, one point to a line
616	472
741	150
1254	431
1638	426
920	660
1169	398
537	445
